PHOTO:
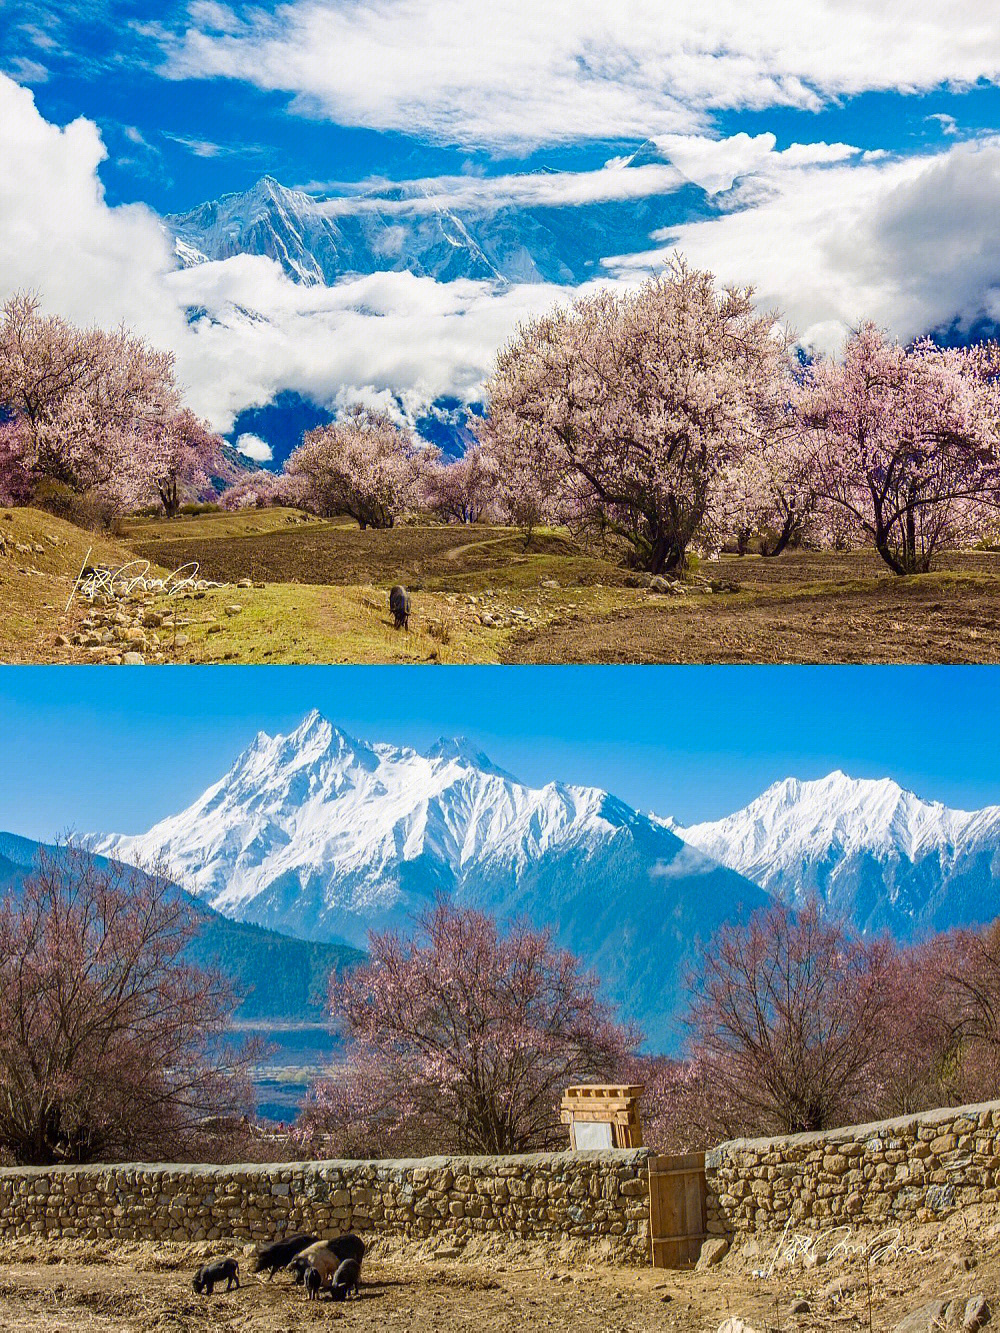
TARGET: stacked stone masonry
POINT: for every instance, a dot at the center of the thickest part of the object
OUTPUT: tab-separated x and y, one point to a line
538	1197
913	1168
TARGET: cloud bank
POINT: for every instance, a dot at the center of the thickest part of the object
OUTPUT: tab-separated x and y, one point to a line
828	235
516	73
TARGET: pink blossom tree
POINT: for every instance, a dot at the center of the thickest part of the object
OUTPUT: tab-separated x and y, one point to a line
87	403
363	466
258	490
464	491
630	407
788	1018
183	460
905	443
769	497
462	1039
111	1046
17	485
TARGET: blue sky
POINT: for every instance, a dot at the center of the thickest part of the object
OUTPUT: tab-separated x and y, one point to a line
89	749
848	157
176	141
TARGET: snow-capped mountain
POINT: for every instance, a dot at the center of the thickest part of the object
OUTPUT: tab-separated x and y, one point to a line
876	854
402	228
322	836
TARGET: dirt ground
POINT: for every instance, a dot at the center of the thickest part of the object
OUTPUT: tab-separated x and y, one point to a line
935	618
301	590
72	1286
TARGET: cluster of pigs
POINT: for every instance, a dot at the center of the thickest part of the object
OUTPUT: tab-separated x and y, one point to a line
333	1265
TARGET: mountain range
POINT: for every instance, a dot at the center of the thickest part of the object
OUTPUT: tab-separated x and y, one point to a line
403	227
875	854
322	836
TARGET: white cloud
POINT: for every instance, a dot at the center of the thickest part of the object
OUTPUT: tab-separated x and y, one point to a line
614	181
715	164
252	446
516	72
262	333
910	242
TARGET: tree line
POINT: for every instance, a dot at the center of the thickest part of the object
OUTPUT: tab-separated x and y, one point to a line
462	1035
648	420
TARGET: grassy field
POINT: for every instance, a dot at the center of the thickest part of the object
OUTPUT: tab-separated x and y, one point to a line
300	590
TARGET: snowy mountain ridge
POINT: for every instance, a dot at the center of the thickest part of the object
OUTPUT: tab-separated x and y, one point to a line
404	228
876	853
322	836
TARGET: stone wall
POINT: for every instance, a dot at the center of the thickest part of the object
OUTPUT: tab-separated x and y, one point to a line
591	1197
913	1168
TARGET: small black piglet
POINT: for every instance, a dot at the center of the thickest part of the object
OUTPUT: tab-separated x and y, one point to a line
346	1280
219	1270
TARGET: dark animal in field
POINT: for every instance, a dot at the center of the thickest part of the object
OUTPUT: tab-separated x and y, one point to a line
346	1280
399	605
326	1256
219	1270
348	1247
313	1282
278	1254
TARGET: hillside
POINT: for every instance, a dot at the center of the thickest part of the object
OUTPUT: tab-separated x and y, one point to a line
40	559
282	979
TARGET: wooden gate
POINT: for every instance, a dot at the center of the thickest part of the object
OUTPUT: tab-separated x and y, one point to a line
676	1209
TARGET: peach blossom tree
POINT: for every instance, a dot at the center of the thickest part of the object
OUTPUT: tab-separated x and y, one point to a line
905	444
110	1044
363	465
627	409
88	404
462	1039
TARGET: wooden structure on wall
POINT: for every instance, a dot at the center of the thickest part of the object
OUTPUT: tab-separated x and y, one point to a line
676	1209
602	1115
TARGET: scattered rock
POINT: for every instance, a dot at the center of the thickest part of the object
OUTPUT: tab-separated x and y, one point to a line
799	1307
550	583
234	609
133	659
968	1314
712	1252
976	1314
668	586
734	1325
839	1288
61	641
245	583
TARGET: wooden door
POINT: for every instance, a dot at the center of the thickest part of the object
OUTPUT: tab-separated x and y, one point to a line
676	1209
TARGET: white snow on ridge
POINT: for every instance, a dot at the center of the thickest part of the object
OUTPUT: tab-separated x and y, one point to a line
875	852
322	836
318	802
792	818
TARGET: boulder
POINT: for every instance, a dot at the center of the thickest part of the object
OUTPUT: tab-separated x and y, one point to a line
961	1313
712	1252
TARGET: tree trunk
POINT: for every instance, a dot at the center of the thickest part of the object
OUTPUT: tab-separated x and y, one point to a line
782	539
